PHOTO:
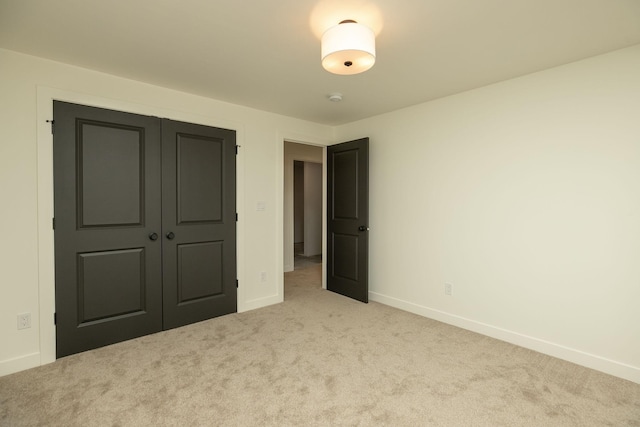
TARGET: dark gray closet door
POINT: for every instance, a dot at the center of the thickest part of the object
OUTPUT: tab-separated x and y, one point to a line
145	231
348	219
199	222
107	226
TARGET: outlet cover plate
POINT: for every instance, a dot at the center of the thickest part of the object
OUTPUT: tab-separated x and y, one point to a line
24	321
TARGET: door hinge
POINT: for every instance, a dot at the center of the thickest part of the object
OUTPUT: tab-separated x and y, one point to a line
55	318
236	216
237	284
53	223
237	146
52	125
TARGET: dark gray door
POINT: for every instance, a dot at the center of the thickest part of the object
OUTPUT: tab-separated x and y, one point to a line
107	225
144	225
199	222
348	219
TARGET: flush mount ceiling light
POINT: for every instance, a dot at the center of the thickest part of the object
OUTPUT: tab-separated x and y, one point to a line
348	48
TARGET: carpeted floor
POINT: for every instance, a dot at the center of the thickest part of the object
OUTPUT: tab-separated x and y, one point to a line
317	359
302	262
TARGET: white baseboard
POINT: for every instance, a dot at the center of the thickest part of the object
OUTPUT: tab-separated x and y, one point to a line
19	364
261	302
588	360
611	367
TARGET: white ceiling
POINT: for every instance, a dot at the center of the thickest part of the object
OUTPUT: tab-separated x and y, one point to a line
266	53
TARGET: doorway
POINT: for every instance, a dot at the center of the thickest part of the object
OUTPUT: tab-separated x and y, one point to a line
303	211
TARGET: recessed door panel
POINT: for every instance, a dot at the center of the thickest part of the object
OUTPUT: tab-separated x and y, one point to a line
110	284
345	184
110	174
199	271
200	170
345	255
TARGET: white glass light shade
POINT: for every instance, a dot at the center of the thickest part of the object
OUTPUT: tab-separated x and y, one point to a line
348	48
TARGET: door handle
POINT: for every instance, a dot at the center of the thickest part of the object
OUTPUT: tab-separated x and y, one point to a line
363	228
170	235
153	236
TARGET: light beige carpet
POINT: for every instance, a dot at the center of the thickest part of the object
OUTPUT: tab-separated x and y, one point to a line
317	359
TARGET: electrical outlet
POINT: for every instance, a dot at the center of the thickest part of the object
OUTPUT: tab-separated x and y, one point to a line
24	321
263	276
448	289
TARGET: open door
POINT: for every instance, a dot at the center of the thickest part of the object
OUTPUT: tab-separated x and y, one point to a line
348	219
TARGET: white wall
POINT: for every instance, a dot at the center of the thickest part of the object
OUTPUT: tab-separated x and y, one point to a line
293	152
525	197
313	211
27	87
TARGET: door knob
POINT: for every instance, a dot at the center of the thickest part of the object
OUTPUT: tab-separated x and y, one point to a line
153	236
170	235
363	228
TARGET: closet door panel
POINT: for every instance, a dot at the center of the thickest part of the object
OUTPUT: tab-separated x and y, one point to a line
199	223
